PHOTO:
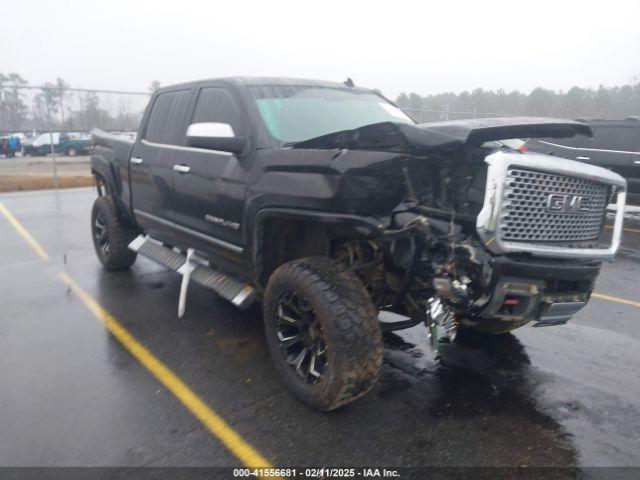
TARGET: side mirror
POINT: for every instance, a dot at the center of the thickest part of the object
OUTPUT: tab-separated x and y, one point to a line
215	136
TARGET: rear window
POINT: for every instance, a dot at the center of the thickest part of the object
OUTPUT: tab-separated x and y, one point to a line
167	118
614	138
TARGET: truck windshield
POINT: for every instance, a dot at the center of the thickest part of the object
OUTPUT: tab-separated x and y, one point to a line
296	113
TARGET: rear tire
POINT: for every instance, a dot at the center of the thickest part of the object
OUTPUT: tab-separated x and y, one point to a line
337	325
72	151
111	236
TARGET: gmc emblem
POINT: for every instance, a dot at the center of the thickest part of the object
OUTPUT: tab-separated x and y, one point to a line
567	203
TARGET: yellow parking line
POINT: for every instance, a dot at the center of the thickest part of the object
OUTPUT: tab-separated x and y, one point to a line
214	423
616	299
626	229
23	231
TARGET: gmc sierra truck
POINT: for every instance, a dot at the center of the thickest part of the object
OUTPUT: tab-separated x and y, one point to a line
327	204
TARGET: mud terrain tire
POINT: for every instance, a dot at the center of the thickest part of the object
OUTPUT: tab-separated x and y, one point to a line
110	236
349	326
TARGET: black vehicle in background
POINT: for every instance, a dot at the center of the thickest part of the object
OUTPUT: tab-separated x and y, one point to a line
326	203
615	145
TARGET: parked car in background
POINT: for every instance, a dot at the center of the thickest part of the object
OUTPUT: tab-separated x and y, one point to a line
64	143
9	145
615	145
3	146
20	136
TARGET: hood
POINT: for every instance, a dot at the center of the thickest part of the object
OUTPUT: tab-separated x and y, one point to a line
478	131
403	137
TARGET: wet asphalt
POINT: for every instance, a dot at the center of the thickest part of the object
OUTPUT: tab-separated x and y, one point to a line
71	395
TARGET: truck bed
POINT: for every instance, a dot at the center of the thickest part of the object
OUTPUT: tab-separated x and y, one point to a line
120	145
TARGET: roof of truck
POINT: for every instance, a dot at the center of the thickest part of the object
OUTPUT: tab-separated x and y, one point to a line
250	81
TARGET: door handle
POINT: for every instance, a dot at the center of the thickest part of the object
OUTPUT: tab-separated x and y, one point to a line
637	162
181	168
583	158
135	160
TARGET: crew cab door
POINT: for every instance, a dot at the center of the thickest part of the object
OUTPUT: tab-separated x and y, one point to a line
209	186
151	162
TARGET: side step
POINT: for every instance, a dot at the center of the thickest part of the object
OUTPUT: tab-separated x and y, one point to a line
242	295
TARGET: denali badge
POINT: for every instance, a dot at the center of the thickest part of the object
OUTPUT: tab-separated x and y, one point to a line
223	222
567	203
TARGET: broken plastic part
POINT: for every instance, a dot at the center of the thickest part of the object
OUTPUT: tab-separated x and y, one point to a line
185	270
442	323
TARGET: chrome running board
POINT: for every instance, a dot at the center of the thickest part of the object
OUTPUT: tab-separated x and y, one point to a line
242	295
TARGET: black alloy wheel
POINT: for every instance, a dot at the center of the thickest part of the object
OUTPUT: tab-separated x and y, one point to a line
111	235
300	337
322	331
100	234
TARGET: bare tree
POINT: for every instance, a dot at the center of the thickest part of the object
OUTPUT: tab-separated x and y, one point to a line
63	94
13	109
94	116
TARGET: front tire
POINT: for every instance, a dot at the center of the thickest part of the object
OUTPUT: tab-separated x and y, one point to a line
110	236
322	331
72	151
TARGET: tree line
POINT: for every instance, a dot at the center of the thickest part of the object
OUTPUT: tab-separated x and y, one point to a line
57	106
603	102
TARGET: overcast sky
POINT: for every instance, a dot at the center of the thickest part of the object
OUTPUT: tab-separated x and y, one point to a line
426	47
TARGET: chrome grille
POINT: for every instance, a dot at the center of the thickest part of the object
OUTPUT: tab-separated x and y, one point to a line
541	207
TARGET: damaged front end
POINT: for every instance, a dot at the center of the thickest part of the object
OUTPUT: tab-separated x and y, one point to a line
488	239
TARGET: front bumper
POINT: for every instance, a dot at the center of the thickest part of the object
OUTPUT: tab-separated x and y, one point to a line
548	293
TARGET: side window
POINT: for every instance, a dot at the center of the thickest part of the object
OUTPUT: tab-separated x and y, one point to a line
167	118
614	138
217	105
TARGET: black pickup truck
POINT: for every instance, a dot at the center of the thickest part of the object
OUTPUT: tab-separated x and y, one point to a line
327	204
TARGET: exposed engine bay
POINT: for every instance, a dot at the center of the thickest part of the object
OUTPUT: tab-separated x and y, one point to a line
438	263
